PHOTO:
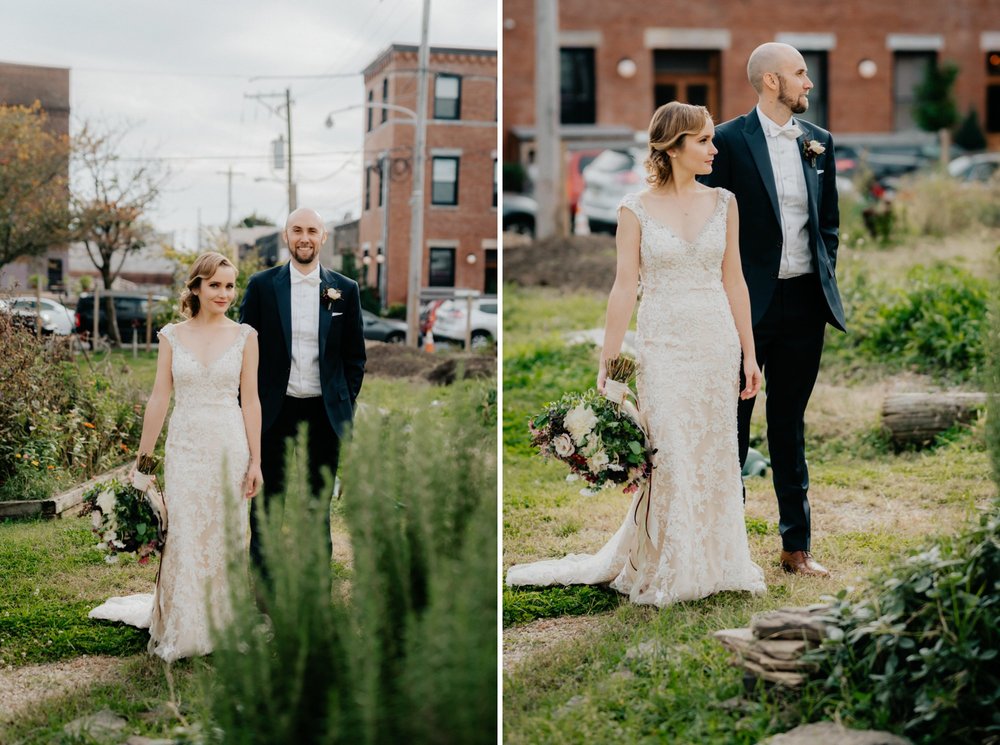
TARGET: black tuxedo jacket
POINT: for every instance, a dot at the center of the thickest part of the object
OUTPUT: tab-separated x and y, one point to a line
743	166
267	306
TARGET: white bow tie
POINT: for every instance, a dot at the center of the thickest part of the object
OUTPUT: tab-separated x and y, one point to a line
308	279
792	133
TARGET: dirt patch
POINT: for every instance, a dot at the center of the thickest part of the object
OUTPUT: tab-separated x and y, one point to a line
579	262
400	361
22	687
533	639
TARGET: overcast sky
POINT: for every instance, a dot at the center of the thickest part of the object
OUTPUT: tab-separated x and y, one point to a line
178	72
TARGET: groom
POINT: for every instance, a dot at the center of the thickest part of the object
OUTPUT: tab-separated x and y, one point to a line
312	358
782	172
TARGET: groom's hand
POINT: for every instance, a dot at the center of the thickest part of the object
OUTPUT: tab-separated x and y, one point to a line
254	478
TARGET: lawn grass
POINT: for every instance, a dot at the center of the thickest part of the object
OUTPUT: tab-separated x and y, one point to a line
639	674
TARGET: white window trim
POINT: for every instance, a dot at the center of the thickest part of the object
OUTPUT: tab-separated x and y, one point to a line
807	42
989	40
687	38
446	152
581	38
914	42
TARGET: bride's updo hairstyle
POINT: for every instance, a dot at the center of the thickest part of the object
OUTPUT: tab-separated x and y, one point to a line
204	267
670	124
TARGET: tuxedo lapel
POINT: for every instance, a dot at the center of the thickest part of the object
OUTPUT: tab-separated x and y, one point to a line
756	142
283	293
812	180
325	316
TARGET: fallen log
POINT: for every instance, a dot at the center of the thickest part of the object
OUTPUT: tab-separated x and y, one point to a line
917	418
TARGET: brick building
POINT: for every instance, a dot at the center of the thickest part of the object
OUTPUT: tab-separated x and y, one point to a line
619	61
22	85
460	192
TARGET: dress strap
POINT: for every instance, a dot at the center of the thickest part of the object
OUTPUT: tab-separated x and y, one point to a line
167	332
633	203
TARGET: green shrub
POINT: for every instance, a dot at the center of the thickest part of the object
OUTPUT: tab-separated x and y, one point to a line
936	204
992	383
919	655
935	324
53	419
407	651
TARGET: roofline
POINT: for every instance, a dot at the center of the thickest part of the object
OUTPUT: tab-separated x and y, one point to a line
392	48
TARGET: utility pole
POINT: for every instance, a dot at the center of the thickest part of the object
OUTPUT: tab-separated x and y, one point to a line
287	95
417	196
548	151
229	173
383	260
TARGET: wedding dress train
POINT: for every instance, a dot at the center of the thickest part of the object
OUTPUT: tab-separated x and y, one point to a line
686	538
206	459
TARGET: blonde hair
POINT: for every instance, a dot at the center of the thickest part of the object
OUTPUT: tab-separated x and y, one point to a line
204	267
671	123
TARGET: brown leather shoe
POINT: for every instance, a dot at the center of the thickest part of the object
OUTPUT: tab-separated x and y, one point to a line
802	562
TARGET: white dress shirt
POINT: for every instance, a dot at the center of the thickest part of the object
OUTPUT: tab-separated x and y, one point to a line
303	379
793	198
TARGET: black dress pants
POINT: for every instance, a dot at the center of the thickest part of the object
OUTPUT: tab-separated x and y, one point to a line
789	344
322	449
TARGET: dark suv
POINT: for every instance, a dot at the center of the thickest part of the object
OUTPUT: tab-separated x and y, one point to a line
130	311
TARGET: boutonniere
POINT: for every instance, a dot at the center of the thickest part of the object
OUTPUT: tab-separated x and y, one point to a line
329	294
811	149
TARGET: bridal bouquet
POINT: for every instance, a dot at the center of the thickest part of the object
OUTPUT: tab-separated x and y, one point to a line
129	519
599	437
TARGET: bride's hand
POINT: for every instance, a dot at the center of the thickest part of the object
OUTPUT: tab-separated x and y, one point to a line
751	373
602	376
254	479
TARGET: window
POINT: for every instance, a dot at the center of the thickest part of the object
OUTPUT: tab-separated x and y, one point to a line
385	98
490	268
993	91
494	182
444	180
442	270
380	171
908	70
816	66
368	189
447	96
371	100
577	88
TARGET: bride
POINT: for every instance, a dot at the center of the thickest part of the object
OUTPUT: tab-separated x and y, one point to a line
211	464
686	538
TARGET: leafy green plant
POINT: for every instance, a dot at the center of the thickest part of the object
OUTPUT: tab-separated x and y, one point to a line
403	651
920	653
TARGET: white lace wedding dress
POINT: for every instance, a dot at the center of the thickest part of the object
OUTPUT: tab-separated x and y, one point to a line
687	539
205	463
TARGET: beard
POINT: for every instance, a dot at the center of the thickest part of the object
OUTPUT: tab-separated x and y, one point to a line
303	255
797	106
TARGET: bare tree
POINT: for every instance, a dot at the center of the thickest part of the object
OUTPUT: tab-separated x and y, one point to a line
34	196
110	196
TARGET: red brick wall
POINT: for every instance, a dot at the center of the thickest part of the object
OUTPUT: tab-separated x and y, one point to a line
860	26
474	219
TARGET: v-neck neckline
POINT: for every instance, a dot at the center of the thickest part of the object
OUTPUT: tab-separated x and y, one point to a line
678	236
196	358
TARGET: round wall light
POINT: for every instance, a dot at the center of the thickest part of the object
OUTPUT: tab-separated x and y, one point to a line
627	67
867	69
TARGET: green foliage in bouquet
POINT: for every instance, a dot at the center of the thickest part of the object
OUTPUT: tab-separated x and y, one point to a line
124	520
597	439
404	648
920	653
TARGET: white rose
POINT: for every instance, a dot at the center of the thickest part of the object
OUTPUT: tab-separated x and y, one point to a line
95	519
598	461
563	445
110	537
579	422
106	501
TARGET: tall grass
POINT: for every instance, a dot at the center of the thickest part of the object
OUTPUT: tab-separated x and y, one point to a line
404	649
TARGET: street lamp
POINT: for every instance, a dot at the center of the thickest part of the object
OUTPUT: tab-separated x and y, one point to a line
373	105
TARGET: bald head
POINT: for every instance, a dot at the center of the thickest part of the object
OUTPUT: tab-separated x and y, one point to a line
307	213
770	57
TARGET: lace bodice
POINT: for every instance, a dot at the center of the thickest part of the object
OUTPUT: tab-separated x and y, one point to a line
198	384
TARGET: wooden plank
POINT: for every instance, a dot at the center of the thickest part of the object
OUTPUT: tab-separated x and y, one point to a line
61	503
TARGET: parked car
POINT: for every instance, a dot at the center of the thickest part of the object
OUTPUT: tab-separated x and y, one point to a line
519	213
451	321
576	162
56	317
388	330
608	178
982	167
131	309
